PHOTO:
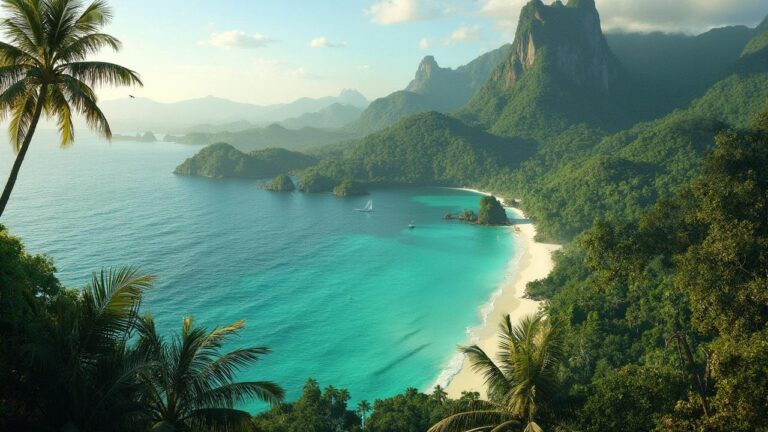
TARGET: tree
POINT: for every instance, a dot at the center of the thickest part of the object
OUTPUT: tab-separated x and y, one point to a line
363	408
192	385
526	376
44	70
439	394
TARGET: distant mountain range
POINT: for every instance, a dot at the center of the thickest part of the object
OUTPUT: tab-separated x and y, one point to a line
142	114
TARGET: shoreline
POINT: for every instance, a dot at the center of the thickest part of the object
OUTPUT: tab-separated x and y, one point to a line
532	261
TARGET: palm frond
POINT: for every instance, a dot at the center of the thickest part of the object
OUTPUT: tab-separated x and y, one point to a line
498	383
229	395
83	99
22	117
472	420
23	24
97	74
223	369
111	302
11	55
56	105
80	48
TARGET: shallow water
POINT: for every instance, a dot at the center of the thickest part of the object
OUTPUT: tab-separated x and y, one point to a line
355	300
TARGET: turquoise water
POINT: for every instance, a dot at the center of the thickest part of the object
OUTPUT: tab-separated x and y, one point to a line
354	300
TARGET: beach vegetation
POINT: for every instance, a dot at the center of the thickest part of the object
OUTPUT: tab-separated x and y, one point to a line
520	383
45	71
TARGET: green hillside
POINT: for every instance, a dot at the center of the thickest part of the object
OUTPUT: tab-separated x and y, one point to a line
272	136
432	89
223	160
428	148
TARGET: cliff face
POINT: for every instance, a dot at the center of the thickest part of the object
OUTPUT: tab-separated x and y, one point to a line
560	73
565	38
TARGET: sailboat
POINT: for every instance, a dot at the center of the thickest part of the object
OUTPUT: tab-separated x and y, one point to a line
368	207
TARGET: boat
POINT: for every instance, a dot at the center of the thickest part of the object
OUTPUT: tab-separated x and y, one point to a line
368	207
411	225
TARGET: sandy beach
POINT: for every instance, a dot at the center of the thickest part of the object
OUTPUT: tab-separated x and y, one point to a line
533	261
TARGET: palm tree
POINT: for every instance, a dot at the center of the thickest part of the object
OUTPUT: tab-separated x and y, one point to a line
44	70
363	408
85	365
439	394
529	359
192	386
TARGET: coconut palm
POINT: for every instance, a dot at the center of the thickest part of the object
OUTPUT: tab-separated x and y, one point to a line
192	386
85	365
529	358
363	408
439	394
44	70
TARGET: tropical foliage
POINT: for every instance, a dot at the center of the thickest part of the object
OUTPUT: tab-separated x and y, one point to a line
223	160
45	71
84	359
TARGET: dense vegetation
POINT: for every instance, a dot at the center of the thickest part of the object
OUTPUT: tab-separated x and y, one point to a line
349	188
666	316
491	212
281	183
85	360
222	160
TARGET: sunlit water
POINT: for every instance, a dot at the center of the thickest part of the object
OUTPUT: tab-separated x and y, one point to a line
351	299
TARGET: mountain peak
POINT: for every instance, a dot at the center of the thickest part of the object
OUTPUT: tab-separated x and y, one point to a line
763	25
583	4
352	97
571	40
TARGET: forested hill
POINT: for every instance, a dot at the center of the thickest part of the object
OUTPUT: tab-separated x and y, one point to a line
433	89
566	165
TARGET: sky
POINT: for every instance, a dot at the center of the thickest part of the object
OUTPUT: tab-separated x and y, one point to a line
274	51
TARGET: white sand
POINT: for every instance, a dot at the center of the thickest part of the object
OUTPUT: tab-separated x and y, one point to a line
533	261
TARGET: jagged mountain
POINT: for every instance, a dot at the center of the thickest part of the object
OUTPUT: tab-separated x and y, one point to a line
433	89
561	72
146	114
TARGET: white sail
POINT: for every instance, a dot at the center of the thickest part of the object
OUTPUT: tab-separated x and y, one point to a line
368	207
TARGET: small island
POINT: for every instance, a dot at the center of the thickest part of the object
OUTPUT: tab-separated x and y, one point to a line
314	182
349	188
146	137
491	213
281	183
225	161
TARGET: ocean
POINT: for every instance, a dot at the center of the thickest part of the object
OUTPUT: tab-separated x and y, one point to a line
353	300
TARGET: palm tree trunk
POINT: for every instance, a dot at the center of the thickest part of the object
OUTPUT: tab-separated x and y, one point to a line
22	151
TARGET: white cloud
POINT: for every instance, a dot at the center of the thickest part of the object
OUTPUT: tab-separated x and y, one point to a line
424	43
388	12
464	34
239	39
690	16
322	42
364	68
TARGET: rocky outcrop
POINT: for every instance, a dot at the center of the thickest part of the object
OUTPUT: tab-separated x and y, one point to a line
566	38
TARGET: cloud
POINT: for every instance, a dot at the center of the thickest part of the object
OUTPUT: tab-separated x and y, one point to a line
464	34
322	42
691	16
424	43
388	12
364	68
239	39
